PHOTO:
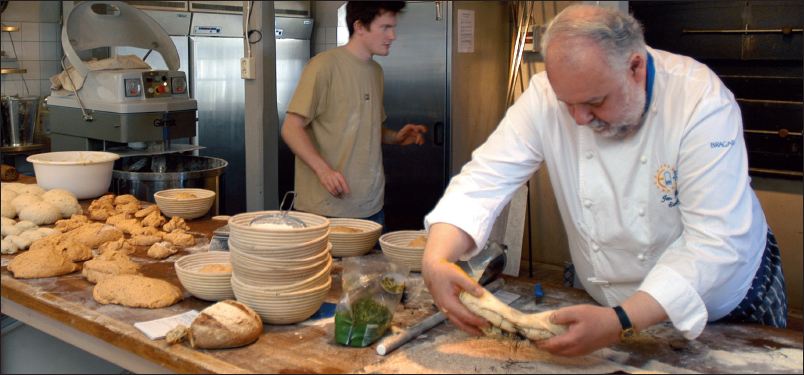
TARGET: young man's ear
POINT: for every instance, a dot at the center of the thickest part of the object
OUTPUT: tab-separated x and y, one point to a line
358	26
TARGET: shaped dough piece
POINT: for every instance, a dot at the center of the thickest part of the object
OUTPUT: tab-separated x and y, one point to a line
45	262
120	244
64	201
136	291
7	209
8	194
180	238
71	249
533	326
73	222
95	234
32	189
175	222
125	199
8	247
24	200
146	211
162	250
40	213
8	227
143	240
129	208
154	219
108	264
118	218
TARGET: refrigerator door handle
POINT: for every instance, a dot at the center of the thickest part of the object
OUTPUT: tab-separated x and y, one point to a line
439	15
438	133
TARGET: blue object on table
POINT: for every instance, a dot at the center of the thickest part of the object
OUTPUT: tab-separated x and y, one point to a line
327	310
537	290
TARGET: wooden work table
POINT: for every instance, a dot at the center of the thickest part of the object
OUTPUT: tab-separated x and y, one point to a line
64	307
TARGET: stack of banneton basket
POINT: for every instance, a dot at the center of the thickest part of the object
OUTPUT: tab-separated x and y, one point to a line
282	273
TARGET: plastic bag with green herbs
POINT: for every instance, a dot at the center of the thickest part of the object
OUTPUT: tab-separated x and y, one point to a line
372	288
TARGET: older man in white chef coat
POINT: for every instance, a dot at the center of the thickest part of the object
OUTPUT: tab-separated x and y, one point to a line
647	159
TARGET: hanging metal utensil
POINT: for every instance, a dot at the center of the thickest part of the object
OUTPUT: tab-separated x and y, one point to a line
282	217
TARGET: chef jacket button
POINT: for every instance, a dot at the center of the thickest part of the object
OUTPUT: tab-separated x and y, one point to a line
590	154
641	211
587	203
595	246
641	256
643	159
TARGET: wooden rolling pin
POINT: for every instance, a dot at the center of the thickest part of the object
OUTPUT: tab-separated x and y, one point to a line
8	173
390	343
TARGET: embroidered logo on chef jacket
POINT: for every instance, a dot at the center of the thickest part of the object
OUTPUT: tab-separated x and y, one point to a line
666	178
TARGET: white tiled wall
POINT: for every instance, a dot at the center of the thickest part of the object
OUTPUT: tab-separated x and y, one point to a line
36	47
326	26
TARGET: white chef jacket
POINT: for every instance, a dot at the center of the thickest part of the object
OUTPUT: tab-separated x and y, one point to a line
668	210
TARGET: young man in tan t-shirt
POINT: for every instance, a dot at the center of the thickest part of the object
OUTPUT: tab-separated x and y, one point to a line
334	121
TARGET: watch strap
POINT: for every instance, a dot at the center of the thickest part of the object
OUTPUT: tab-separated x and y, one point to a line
627	328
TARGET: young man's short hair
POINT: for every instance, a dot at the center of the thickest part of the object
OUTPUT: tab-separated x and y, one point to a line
367	11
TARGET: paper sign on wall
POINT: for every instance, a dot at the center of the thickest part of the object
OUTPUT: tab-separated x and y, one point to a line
466	31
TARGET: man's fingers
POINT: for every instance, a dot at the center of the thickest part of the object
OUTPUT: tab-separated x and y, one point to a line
472	330
563	317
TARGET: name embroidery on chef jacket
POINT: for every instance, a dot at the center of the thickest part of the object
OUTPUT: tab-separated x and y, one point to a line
666	180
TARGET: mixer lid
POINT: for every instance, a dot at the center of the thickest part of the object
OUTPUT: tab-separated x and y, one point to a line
94	24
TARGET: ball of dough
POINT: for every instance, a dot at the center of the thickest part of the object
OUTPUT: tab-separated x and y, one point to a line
47	231
57	192
8	194
7	227
31	234
8	247
66	203
24	200
7	209
41	213
31	189
20	242
24	225
13	186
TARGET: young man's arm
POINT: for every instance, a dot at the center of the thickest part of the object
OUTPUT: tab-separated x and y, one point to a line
299	142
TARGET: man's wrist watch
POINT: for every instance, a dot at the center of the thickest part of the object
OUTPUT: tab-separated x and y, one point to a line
627	329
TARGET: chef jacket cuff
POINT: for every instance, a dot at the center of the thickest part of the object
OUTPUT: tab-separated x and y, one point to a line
471	218
680	300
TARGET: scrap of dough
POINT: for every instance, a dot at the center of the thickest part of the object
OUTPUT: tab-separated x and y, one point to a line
180	238
176	222
120	244
45	262
73	222
146	211
108	264
533	326
136	291
154	219
95	234
162	250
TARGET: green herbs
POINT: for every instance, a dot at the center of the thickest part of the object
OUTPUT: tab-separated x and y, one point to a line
391	285
365	322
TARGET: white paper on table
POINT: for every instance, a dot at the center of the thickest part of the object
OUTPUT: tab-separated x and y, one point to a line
158	328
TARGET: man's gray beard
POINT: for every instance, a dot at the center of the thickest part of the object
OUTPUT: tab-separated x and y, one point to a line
632	119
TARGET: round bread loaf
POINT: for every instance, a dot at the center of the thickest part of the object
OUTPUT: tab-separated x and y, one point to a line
226	324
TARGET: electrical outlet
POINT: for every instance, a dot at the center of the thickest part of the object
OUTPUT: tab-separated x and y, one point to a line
247	68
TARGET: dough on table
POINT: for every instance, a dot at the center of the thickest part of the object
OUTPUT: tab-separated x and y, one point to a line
146	211
63	200
8	227
136	291
24	200
176	222
108	264
180	238
32	189
7	208
75	221
129	208
143	240
125	199
44	262
535	326
71	249
129	226
8	247
162	250
154	219
117	218
120	244
95	234
40	213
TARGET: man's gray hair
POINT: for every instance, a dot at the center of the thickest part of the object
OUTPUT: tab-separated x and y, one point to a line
618	34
